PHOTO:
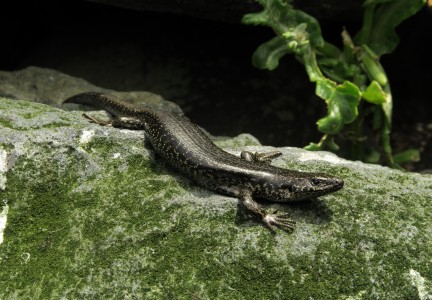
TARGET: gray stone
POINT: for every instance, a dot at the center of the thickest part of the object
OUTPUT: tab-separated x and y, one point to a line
52	87
89	212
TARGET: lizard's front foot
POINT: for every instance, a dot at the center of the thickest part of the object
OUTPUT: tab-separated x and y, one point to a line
270	220
283	221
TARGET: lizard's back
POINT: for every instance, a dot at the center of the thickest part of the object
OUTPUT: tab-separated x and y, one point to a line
187	148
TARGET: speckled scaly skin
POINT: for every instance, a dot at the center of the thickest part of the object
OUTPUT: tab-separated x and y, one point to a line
189	150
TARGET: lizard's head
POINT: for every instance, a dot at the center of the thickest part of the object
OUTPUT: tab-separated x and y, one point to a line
301	185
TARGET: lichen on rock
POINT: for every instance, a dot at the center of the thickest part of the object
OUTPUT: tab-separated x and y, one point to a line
92	212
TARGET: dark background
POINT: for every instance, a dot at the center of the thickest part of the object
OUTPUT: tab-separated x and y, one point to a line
204	66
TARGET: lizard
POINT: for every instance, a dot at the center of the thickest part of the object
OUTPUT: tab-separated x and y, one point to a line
186	148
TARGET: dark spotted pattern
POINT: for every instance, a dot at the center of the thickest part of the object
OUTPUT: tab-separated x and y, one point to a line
188	149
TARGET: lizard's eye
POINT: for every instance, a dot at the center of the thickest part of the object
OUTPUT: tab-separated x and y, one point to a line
316	181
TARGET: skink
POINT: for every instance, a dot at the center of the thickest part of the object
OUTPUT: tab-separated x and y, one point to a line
189	150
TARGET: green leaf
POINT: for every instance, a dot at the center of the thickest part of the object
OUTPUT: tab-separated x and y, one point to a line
329	51
374	94
327	141
370	63
380	34
352	68
298	38
374	2
311	65
342	101
325	89
296	31
260	18
267	55
284	20
313	147
297	17
330	143
410	155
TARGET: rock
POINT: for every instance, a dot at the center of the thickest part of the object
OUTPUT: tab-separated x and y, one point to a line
52	87
90	212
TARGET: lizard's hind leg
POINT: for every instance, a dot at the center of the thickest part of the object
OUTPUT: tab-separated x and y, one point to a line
119	122
263	157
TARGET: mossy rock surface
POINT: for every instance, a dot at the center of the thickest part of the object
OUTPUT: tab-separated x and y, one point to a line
90	212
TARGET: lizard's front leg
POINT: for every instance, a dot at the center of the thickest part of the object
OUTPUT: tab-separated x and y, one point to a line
270	220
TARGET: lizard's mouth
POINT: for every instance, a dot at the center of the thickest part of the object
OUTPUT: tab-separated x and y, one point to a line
327	186
337	184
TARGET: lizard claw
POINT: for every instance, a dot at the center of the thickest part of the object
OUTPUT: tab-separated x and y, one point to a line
270	220
273	220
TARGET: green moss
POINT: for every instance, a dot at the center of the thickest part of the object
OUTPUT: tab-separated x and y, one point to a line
24	116
120	237
28	115
47	207
6	146
55	125
99	144
6	123
101	220
36	223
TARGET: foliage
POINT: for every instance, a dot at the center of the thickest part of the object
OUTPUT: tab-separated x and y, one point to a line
350	80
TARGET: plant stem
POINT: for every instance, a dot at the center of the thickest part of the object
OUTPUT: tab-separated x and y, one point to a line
387	108
368	18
